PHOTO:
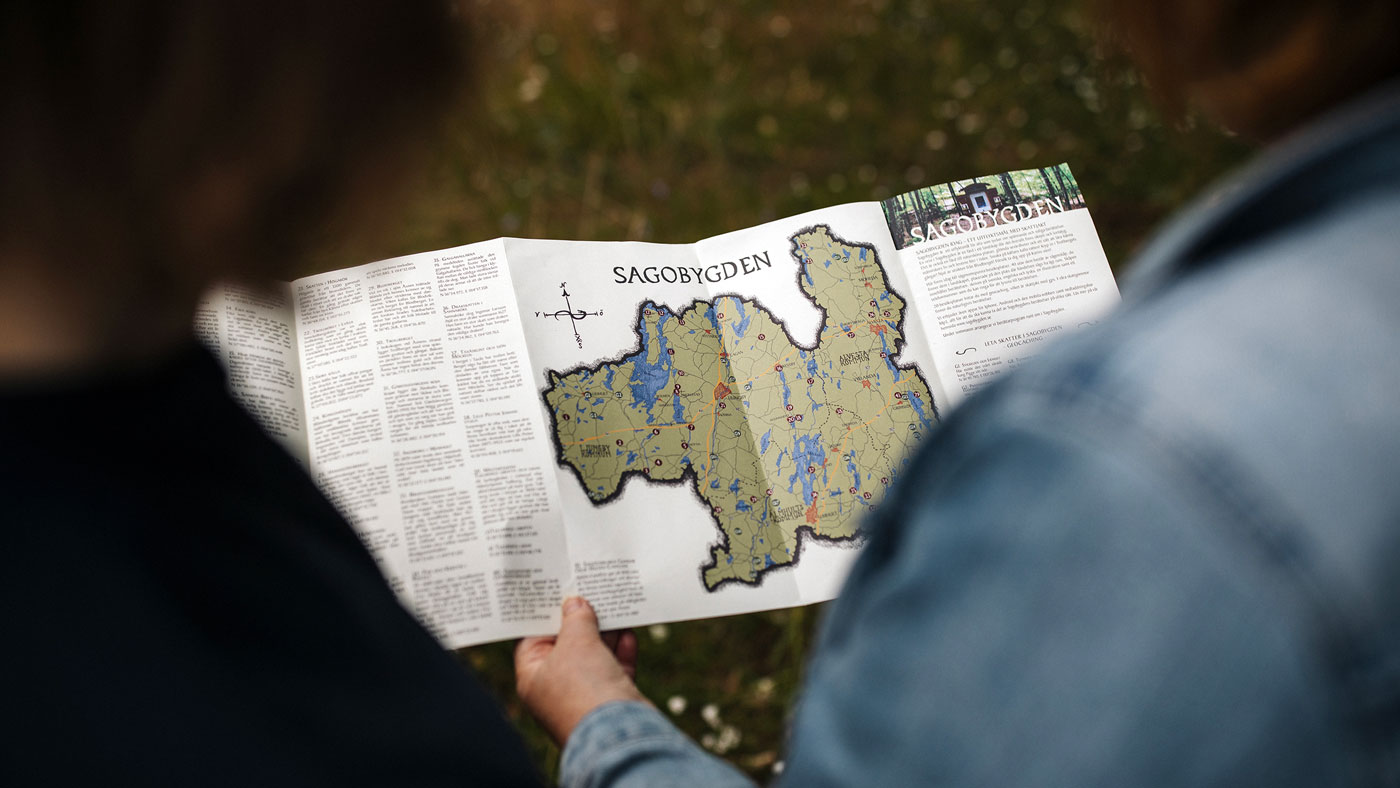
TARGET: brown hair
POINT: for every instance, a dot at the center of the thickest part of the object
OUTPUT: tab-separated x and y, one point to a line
1260	65
166	131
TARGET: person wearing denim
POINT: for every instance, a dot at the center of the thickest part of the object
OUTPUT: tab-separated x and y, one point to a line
1166	552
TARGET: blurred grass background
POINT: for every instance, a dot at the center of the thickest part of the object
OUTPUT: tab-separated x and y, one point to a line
675	120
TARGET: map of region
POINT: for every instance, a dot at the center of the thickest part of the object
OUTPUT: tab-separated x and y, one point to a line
782	442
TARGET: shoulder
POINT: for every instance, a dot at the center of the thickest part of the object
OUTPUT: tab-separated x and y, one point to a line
1213	464
1169	538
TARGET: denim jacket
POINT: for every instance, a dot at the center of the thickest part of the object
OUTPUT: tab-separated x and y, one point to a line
1167	552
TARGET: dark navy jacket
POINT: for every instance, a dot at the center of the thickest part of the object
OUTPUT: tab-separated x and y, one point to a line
179	605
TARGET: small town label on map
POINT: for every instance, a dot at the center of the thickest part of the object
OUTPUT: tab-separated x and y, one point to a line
782	442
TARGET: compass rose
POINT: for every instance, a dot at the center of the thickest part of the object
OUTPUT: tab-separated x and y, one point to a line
574	315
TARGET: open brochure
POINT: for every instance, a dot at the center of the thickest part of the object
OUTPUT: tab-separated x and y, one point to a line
672	431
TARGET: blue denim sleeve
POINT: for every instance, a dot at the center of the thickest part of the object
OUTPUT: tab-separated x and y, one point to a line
1054	596
1062	598
631	745
1047	603
1044	601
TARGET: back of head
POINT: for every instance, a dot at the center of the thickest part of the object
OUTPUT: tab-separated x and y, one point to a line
199	140
1261	66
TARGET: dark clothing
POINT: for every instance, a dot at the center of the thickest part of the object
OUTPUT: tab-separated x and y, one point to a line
183	607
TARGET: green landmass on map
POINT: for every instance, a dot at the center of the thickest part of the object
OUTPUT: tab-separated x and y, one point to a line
782	442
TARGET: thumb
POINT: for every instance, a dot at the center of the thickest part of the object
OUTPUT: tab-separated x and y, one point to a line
578	623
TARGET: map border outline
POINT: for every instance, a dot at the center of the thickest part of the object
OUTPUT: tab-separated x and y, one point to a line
688	478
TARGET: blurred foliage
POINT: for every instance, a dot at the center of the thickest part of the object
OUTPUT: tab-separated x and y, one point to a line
675	120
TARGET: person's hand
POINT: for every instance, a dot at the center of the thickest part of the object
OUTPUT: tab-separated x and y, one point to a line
562	678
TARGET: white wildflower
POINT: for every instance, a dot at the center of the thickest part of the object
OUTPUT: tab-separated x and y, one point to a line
763	688
729	737
710	714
